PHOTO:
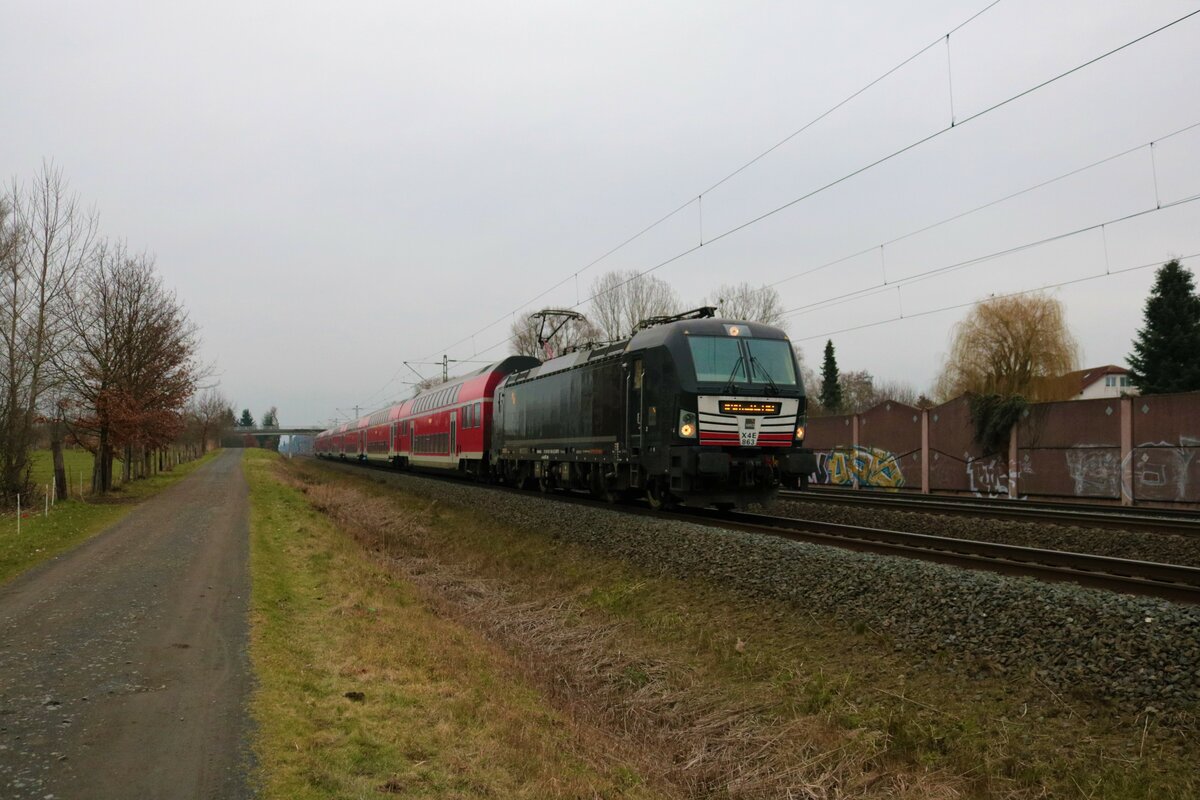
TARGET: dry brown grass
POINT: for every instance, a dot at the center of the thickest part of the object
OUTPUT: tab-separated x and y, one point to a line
689	736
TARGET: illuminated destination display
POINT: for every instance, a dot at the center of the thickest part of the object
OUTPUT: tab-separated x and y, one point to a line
744	407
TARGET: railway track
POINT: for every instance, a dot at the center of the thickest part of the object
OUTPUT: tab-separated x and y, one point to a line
1087	516
1167	581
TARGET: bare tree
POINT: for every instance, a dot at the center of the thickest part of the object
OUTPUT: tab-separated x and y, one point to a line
808	378
620	300
209	409
53	239
748	303
524	336
858	391
1011	346
132	368
14	470
899	391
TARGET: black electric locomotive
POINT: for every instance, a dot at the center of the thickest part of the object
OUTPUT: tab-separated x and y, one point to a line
690	410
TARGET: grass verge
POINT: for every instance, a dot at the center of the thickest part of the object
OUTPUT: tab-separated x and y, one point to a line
687	669
72	521
362	691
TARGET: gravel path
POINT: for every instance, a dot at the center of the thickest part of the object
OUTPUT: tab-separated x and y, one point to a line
1134	652
1166	548
123	664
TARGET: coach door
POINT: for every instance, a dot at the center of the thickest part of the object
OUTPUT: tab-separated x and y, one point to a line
454	433
635	402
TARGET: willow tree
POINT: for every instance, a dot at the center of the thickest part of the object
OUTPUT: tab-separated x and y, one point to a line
1011	346
1006	352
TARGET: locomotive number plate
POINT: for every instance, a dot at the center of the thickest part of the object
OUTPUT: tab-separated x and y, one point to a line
747	407
749	438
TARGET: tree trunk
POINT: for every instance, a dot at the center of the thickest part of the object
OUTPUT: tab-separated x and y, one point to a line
102	472
60	467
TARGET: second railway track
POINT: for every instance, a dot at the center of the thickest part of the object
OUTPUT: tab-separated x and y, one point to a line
1181	523
1167	581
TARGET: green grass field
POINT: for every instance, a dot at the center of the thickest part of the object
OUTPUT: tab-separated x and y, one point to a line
363	691
635	653
78	463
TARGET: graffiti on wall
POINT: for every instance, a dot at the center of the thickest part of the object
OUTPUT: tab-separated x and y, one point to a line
859	466
990	477
1096	473
1162	470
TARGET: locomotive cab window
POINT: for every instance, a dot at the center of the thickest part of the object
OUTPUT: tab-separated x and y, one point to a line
718	359
771	361
721	359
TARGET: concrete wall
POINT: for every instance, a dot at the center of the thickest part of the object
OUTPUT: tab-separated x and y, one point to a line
1121	449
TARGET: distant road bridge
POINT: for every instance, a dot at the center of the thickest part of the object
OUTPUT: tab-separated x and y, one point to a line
294	430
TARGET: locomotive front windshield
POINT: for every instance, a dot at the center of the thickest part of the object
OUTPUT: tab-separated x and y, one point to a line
723	359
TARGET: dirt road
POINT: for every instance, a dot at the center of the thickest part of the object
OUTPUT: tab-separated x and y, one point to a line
123	664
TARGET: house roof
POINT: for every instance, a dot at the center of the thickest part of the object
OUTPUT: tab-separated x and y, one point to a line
1071	384
1083	378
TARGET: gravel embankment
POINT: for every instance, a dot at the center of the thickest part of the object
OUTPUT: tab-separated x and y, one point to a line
1164	548
1136	652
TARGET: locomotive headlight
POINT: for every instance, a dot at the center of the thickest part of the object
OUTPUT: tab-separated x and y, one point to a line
800	433
687	424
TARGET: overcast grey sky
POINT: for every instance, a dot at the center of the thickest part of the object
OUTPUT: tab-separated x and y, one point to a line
335	188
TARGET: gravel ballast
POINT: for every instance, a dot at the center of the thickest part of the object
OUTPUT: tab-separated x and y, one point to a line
1134	652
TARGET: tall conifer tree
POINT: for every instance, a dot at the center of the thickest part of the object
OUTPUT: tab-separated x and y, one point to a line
1166	352
831	388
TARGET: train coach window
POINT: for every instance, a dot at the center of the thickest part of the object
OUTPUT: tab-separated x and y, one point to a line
479	413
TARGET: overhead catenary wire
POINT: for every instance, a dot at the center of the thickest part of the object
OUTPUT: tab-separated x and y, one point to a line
729	176
878	288
956	306
770	213
985	206
884	159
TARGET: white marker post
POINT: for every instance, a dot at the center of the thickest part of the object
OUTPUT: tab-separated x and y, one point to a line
18	515
46	511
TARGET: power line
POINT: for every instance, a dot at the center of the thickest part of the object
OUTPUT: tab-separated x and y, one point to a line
1059	285
985	206
913	145
870	84
938	271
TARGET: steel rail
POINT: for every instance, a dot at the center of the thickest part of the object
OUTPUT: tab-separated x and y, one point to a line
1167	581
1161	521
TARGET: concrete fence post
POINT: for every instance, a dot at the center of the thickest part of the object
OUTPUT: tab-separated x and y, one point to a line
924	451
1014	491
1127	451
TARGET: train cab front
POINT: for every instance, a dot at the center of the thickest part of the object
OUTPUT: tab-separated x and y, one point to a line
740	429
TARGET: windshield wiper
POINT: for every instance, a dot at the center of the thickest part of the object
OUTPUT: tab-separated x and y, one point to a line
730	386
756	364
